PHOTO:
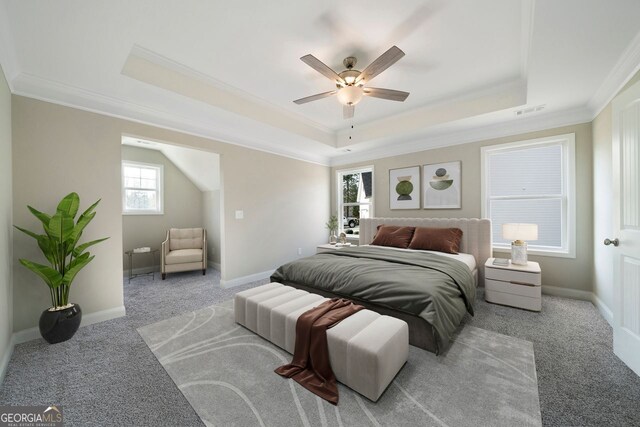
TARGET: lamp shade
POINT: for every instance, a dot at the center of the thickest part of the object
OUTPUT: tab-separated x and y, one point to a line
350	95
519	231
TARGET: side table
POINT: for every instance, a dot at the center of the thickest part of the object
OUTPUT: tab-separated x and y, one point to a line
513	285
329	247
131	253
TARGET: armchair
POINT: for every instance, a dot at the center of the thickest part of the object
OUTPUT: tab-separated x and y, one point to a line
184	249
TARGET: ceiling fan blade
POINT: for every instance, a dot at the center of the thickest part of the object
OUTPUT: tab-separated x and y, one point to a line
321	67
348	110
314	97
390	94
383	62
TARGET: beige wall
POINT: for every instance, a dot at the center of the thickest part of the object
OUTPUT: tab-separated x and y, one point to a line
182	208
285	202
59	149
6	221
603	202
211	219
560	272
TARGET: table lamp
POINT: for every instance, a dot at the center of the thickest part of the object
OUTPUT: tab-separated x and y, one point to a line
518	233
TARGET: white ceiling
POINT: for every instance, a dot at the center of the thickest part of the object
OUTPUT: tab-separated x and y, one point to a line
230	70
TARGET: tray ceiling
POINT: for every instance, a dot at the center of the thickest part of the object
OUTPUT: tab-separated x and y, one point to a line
230	70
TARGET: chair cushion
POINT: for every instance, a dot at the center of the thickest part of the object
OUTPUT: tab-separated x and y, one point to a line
183	256
185	238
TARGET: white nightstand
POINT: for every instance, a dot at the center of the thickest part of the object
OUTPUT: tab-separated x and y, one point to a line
328	247
513	285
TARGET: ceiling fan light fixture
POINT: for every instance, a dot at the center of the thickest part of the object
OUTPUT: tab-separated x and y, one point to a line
350	80
350	95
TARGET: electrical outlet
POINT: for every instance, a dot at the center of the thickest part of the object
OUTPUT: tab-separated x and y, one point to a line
299	251
239	214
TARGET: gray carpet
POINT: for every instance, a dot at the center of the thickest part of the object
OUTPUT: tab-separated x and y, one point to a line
226	372
580	381
107	376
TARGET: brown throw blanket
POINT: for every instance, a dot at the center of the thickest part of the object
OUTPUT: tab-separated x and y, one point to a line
310	366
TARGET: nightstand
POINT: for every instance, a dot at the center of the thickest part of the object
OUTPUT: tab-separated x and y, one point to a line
328	247
513	285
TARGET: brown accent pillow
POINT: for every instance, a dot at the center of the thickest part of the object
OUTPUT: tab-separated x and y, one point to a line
437	239
394	236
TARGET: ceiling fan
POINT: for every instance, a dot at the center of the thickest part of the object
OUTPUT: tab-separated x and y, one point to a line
351	83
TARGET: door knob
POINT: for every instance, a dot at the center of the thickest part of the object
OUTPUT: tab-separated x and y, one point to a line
614	242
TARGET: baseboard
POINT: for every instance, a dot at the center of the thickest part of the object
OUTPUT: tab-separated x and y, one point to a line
87	319
156	269
604	310
103	315
6	357
245	279
567	293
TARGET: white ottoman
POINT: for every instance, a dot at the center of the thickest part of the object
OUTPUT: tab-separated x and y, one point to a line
366	349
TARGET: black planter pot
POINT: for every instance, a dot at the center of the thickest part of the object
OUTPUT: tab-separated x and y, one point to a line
61	325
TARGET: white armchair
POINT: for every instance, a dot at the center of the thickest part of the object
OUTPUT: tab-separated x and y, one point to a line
184	249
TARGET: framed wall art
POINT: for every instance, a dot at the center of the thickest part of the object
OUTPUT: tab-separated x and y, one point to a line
404	188
442	186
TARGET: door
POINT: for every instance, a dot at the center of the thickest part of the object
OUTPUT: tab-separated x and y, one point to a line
626	218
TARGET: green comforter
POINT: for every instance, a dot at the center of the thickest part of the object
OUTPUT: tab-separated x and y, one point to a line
436	288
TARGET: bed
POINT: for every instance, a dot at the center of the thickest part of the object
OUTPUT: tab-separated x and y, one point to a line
431	291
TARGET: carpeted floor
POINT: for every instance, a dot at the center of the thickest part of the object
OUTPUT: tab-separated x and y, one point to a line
580	381
107	376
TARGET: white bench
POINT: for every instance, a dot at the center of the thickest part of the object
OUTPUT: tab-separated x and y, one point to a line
366	349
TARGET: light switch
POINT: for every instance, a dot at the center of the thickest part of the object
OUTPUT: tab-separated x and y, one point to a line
239	214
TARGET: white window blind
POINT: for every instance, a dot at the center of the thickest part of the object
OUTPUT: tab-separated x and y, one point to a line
532	182
141	188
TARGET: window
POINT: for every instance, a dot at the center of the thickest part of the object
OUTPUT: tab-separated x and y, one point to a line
355	198
141	188
532	182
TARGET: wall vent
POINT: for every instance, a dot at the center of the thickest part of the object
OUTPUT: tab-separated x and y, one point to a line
529	110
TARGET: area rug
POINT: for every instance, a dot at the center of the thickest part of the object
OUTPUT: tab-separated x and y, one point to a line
226	373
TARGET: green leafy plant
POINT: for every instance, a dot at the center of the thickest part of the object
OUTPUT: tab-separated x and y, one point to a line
332	224
59	244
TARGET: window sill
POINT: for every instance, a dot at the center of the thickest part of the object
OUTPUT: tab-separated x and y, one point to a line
538	252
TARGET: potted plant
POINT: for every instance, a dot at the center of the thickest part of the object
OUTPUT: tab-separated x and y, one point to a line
59	245
332	226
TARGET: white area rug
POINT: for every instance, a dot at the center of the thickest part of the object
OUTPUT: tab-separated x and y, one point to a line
226	373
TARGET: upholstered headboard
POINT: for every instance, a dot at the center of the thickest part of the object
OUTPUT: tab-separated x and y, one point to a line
476	234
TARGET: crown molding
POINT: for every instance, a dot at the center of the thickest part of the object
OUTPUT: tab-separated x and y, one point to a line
156	70
165	62
8	59
70	96
628	64
452	110
469	134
